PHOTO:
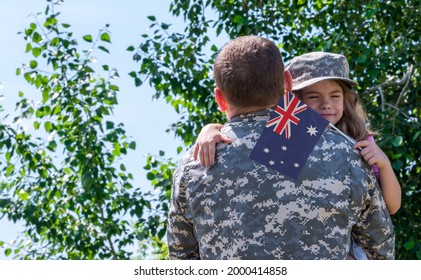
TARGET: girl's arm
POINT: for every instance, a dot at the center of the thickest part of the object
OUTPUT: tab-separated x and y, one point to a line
389	184
204	149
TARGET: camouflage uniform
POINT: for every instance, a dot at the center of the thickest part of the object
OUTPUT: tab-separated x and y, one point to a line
239	209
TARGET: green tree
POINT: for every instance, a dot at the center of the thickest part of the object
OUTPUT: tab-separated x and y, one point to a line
380	38
66	181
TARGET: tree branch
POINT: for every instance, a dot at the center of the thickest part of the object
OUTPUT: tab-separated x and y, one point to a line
394	83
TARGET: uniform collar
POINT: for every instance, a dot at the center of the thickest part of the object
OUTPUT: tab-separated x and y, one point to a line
265	113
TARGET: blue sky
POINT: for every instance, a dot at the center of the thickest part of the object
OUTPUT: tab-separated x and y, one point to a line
145	121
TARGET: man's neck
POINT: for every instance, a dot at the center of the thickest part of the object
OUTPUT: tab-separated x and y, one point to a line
241	111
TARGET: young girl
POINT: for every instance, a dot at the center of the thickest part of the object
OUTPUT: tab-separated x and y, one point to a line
321	80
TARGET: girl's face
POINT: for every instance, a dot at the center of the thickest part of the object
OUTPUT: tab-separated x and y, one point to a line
326	98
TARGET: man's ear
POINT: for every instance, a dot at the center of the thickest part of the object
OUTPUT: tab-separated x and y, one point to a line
220	100
287	81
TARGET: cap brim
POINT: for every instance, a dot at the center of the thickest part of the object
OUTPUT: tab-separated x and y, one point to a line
316	80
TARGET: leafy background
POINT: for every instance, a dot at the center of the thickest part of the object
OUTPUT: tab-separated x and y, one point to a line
84	205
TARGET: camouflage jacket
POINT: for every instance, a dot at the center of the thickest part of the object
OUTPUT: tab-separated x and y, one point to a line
239	209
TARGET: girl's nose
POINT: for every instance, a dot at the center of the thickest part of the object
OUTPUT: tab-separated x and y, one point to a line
325	103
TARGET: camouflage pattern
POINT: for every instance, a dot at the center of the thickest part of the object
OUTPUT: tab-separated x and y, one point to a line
313	67
239	209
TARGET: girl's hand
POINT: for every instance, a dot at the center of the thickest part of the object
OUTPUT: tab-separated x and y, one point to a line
372	153
204	149
389	184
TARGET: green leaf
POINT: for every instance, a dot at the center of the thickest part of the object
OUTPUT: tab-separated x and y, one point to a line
362	59
23	195
397	141
117	151
161	233
179	149
88	69
7	252
55	42
137	82
48	126
416	136
45	96
397	164
33	64
87	38
106	37
150	176
238	19
28	47
36	37
8	156
9	170
50	21
103	49
36	52
409	245
4	202
110	125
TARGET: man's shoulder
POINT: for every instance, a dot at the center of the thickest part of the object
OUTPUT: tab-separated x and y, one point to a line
338	150
332	139
333	148
335	135
186	162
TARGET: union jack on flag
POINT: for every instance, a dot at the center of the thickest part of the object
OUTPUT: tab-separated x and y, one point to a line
287	114
288	154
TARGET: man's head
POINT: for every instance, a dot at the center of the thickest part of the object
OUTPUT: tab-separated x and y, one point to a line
249	75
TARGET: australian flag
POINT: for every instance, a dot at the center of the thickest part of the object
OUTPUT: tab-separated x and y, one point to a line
289	137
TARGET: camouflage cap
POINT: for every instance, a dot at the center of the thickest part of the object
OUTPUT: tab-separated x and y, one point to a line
310	68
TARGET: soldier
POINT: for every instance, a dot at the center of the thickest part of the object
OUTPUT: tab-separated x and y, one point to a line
240	209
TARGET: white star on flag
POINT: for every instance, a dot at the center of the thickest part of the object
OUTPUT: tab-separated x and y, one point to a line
312	130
